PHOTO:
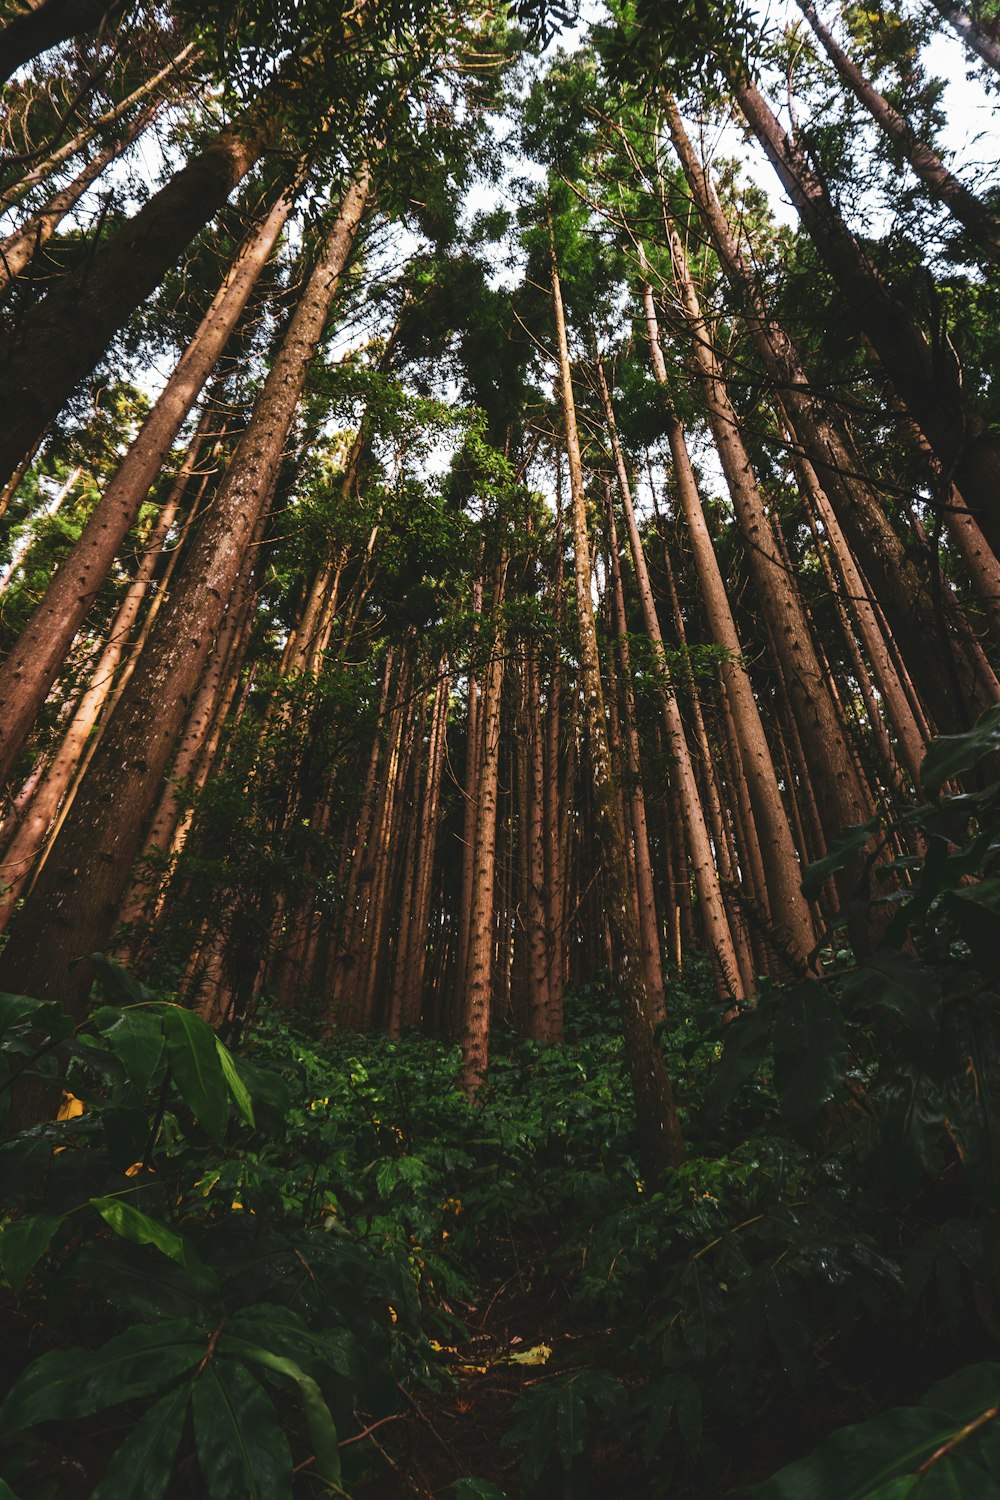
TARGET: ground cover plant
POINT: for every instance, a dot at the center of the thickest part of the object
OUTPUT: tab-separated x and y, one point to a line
323	1251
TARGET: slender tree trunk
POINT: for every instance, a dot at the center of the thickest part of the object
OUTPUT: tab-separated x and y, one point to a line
842	796
76	900
60	340
470	794
477	981
411	1002
30	838
54	159
932	659
24	544
661	1143
927	379
711	905
19	249
972	34
927	165
31	668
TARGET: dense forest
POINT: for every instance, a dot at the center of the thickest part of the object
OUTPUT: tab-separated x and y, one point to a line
499	749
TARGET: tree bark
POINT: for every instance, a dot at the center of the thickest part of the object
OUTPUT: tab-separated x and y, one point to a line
661	1142
927	165
46	24
31	668
74	905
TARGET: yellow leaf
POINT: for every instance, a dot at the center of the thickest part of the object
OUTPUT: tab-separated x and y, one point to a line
539	1355
71	1108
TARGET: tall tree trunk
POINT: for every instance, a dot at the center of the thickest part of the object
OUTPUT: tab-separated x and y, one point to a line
60	340
476	983
19	249
46	23
52	160
904	593
19	859
712	909
781	892
34	663
926	377
942	184
972	34
75	902
648	917
842	796
661	1143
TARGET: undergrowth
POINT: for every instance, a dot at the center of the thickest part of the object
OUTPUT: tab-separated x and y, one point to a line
226	1272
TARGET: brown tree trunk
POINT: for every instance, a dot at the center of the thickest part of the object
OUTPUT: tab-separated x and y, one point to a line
31	668
46	23
19	249
661	1143
928	166
972	34
712	908
476	984
899	584
76	900
60	340
927	378
21	854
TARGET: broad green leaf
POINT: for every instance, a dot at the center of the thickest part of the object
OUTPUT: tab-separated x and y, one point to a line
810	1053
476	1489
322	1431
119	985
842	850
571	1424
141	1468
237	1087
197	1069
147	1287
241	1447
6	1493
745	1050
855	1462
21	1245
136	1039
14	1008
138	1227
78	1382
971	1390
952	754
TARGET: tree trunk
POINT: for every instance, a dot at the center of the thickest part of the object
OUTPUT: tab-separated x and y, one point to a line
31	668
476	984
19	249
899	585
711	905
46	24
927	378
60	340
661	1143
972	34
76	900
927	165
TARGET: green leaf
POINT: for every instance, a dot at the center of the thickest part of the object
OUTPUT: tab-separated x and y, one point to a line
119	985
319	1421
237	1087
136	1039
952	754
571	1425
141	1468
138	1227
197	1069
6	1493
810	1053
78	1382
842	850
745	1050
14	1008
241	1447
859	1462
21	1245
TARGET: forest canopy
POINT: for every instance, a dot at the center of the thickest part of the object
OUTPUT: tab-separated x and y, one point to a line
499	749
